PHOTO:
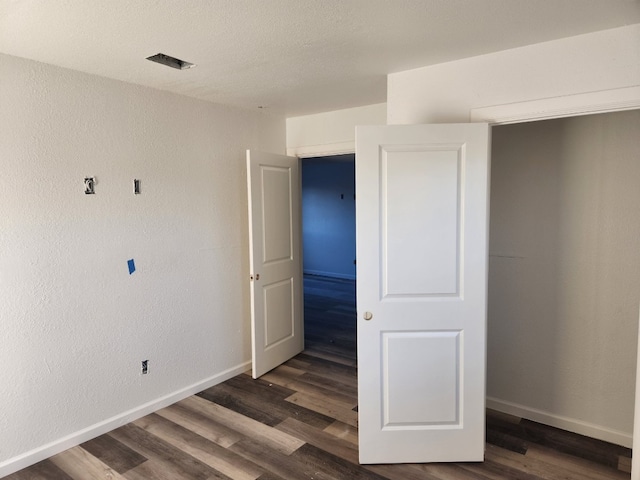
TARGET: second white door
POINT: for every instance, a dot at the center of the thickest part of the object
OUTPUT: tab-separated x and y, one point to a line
275	259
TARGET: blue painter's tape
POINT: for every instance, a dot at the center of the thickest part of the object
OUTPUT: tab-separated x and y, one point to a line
132	266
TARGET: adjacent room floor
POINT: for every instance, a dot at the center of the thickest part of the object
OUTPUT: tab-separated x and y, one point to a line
300	422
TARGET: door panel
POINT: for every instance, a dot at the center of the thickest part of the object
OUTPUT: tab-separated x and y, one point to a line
279	320
435	398
276	184
411	205
422	228
275	260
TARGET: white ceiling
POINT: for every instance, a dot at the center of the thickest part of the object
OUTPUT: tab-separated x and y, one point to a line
291	57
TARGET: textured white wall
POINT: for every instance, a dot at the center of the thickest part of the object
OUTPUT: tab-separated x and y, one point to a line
564	276
447	92
74	325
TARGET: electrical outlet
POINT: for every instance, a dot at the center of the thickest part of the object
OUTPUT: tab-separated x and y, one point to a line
145	367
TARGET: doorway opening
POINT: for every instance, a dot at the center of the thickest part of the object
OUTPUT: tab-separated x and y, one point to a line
329	216
564	274
328	235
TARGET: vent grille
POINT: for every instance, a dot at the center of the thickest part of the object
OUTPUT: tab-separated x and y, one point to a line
170	61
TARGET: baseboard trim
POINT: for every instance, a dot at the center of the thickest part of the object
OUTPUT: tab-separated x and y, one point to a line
320	273
34	456
559	421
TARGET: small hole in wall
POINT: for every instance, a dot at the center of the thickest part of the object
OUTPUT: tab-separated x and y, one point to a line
89	185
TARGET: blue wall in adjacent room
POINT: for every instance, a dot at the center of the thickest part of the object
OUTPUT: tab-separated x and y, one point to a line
329	216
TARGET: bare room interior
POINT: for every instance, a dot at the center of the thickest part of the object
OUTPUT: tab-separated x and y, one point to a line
128	319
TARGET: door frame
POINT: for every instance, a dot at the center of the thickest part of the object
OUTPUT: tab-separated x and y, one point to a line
604	101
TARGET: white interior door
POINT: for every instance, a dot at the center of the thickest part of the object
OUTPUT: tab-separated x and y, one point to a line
275	259
422	239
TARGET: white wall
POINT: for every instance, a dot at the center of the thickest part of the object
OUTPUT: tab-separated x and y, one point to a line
448	92
564	274
331	133
74	324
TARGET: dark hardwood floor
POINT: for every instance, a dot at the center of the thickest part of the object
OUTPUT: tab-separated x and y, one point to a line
300	422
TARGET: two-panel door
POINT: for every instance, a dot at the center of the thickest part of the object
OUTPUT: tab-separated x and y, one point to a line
275	258
422	231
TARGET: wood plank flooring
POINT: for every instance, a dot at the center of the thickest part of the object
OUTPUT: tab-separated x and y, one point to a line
299	421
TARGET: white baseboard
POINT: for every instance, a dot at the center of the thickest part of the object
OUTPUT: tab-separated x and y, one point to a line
559	421
34	456
320	273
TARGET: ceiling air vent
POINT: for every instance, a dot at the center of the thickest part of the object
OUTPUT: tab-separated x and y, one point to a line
170	61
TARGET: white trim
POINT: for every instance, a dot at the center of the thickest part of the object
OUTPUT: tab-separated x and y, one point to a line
29	458
635	459
320	273
566	423
326	150
566	106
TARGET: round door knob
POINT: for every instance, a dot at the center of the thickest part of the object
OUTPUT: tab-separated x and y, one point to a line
368	315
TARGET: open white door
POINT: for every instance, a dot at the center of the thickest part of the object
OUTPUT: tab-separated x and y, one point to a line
422	239
275	259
